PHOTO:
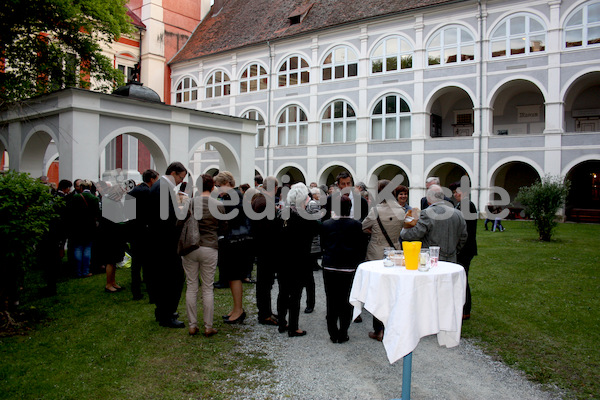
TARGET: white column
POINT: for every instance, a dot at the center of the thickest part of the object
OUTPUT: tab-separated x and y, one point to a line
246	153
153	47
554	107
179	138
14	145
235	85
80	154
420	123
417	180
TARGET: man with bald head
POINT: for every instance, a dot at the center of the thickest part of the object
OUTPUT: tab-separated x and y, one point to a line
439	224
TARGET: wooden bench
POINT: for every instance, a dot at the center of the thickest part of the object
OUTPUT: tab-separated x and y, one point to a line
584	215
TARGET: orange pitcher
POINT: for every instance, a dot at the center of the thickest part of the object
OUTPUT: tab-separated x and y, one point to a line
412	251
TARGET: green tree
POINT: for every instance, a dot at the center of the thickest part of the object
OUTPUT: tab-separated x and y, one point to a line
46	45
26	209
542	200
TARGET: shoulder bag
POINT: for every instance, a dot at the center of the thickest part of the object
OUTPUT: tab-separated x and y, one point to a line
190	235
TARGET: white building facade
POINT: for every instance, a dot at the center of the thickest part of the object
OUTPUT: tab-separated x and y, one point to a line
503	92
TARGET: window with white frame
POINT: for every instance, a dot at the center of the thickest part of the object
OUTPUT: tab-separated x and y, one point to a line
294	71
127	71
292	127
390	118
518	34
257	116
187	90
340	63
453	44
254	78
583	26
218	85
338	123
391	54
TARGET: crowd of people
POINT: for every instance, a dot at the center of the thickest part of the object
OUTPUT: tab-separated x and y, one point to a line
178	237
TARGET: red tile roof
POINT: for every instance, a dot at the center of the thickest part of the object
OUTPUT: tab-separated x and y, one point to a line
135	20
246	22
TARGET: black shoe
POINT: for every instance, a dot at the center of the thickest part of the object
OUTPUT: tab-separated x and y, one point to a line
221	285
238	320
156	317
343	339
308	310
296	333
138	296
333	340
172	323
282	328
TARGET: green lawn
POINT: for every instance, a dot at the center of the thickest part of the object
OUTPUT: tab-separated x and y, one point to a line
535	306
96	345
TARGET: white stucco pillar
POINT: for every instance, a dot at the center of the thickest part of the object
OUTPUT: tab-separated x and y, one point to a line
153	47
14	145
552	153
79	150
179	139
246	155
417	166
554	112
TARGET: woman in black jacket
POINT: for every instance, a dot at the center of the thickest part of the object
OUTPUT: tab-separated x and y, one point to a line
343	243
299	229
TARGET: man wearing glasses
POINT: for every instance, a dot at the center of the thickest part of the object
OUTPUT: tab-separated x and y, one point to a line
165	262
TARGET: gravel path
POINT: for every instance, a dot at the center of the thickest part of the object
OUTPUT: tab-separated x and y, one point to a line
311	367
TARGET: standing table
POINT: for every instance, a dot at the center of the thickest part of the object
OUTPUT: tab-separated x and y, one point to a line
411	304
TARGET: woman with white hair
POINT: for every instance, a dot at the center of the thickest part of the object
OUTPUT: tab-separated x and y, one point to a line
298	232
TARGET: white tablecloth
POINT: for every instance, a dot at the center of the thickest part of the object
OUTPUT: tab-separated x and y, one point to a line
411	304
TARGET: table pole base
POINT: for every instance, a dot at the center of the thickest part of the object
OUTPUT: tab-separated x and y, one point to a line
406	376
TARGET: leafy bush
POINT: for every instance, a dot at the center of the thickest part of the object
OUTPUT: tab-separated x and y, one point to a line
26	209
542	200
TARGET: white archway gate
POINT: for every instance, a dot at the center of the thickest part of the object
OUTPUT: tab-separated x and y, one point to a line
82	122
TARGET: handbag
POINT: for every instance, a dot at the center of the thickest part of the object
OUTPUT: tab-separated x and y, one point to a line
387	237
190	235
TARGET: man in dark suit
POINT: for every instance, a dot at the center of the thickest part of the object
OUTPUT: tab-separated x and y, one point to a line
360	205
266	234
167	270
432	180
466	254
139	237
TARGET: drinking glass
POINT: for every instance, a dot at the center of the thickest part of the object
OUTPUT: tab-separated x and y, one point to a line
387	262
424	261
434	255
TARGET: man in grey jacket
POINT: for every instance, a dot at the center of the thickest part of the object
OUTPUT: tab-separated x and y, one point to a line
438	225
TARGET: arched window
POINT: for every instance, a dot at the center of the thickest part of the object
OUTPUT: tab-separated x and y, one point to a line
292	127
338	123
256	116
391	54
518	34
294	71
583	26
254	78
218	85
187	90
453	44
390	118
340	63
